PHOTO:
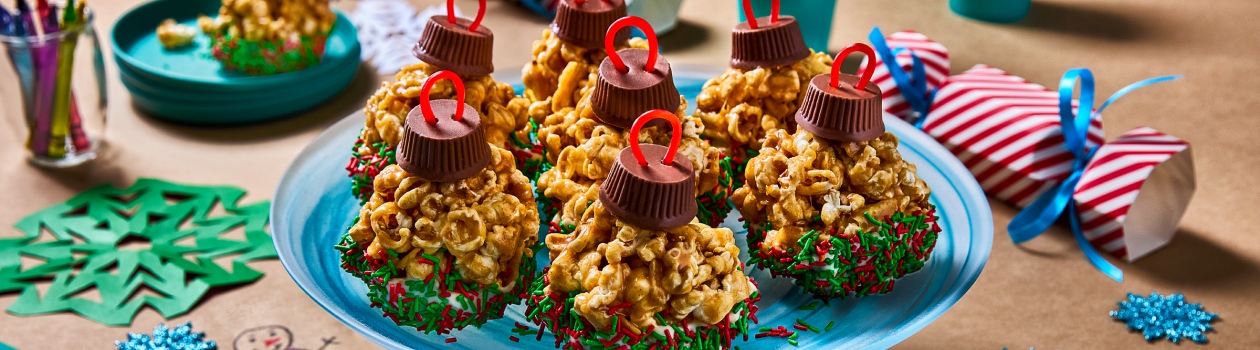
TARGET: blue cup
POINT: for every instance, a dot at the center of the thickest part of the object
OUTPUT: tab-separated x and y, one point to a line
996	11
814	16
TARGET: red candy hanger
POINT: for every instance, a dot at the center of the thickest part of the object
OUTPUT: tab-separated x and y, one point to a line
481	13
673	141
647	30
866	74
752	18
428	85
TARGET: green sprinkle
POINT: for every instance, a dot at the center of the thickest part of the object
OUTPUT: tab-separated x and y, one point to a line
829	325
811	306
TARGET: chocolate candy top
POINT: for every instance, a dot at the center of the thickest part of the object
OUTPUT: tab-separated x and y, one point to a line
843	107
647	192
771	43
632	81
457	44
442	140
584	22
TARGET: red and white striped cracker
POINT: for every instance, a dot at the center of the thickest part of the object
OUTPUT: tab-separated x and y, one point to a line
935	60
1006	130
1134	191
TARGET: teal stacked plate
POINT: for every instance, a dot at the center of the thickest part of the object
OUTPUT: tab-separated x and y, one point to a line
189	86
312	208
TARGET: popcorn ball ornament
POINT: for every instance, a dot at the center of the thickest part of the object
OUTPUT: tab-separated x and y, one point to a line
448	238
640	272
463	47
769	70
834	206
583	143
262	37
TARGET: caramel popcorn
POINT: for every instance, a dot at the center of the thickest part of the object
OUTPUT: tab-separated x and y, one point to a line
503	116
174	35
486	223
561	74
584	149
739	108
804	189
612	271
459	251
266	20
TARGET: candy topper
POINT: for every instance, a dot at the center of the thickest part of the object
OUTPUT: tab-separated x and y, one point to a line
584	23
426	106
643	25
443	151
622	94
651	195
844	107
767	42
457	44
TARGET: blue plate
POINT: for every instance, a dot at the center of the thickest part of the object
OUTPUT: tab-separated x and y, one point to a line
313	207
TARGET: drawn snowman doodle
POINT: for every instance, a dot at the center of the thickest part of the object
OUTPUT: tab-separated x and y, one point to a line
274	337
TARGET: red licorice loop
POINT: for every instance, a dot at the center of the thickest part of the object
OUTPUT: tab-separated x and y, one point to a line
674	140
752	17
612	50
865	78
428	85
481	13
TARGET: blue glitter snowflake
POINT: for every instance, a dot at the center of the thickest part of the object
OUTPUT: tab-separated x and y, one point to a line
1168	317
181	338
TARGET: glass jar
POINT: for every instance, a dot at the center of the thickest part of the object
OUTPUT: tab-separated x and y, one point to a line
52	92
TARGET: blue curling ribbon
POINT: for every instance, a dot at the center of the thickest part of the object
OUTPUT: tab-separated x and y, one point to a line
1042	213
913	87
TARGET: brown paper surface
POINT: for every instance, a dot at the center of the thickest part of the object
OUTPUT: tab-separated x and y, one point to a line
1042	294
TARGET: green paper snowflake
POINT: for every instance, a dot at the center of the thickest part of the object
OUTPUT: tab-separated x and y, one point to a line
84	245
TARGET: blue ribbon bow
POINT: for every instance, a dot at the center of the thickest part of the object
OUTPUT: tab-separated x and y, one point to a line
1043	212
913	87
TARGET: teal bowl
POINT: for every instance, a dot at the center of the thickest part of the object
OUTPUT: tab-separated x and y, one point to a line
141	83
242	110
135	44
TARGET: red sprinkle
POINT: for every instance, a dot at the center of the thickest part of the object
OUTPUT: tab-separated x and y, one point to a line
450	340
514	339
800	327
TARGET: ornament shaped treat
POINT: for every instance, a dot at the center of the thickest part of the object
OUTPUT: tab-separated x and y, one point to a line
583	143
834	206
264	37
770	69
640	272
566	60
448	238
454	44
